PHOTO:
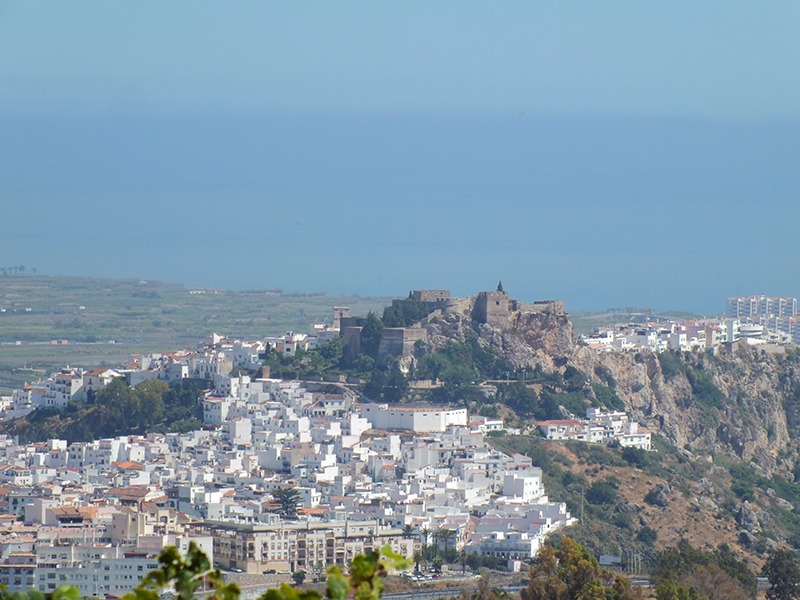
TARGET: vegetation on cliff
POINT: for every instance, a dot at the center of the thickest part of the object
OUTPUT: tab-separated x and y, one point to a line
405	313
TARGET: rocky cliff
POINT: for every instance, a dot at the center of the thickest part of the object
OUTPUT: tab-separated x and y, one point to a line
744	404
531	338
734	403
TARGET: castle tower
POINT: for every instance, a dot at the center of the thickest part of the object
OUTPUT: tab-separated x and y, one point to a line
492	308
339	312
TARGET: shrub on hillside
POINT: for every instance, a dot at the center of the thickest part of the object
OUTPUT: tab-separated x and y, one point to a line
601	492
606	397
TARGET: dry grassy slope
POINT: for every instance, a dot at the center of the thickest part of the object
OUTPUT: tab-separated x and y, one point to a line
680	519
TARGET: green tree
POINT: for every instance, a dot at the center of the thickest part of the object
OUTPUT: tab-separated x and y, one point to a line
680	563
437	563
418	558
186	574
601	492
373	389
607	397
333	350
647	536
431	366
119	405
672	590
572	573
783	574
574	380
445	535
396	385
636	457
64	592
151	400
715	584
371	335
299	577
518	397
405	313
288	500
363	363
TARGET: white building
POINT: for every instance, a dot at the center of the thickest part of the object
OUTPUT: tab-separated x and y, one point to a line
633	438
95	380
561	429
525	486
414	418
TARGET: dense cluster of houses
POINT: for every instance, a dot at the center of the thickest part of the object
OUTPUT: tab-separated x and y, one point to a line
95	514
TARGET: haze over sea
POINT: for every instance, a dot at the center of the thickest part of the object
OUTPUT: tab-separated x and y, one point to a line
627	155
671	213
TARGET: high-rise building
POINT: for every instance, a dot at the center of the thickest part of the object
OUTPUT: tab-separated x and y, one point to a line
760	306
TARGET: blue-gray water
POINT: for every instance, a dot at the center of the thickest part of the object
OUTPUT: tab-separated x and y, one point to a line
597	212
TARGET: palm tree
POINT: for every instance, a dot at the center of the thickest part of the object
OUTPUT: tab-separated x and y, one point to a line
423	536
417	559
446	535
408	530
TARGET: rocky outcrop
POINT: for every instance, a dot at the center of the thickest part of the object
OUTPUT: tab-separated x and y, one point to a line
628	507
546	332
748	518
659	495
530	338
749	416
707	503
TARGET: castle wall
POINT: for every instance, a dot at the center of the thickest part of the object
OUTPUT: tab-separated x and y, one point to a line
399	341
435	296
352	342
457	305
345	322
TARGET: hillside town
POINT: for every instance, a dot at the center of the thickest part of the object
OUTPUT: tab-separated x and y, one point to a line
284	476
95	514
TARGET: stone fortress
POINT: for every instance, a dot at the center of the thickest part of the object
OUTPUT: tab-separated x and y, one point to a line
494	309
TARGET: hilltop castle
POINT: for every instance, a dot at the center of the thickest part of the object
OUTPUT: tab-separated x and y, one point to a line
495	309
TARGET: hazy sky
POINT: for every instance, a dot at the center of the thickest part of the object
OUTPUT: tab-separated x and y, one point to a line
604	153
